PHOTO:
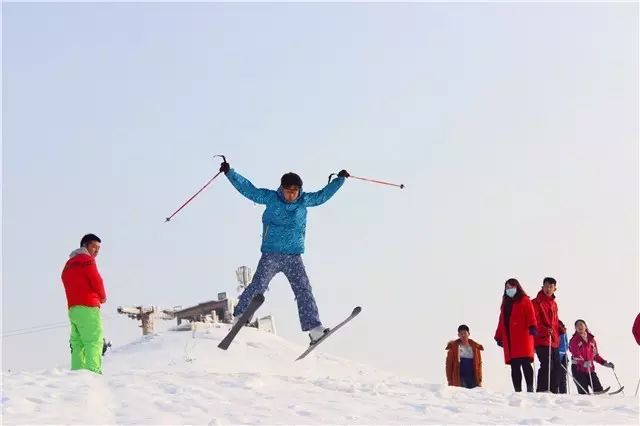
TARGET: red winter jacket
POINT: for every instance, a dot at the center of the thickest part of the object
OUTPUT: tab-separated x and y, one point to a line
546	311
584	353
636	329
517	343
82	281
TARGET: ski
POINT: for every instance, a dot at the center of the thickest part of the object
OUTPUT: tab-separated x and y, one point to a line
355	312
617	391
603	391
255	303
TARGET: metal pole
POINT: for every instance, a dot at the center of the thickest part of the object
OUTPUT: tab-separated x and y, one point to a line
616	376
549	367
578	385
566	373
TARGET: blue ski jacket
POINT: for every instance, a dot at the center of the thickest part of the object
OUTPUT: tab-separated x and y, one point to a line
284	224
564	345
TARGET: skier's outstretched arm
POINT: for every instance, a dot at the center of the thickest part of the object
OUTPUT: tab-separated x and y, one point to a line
313	199
246	188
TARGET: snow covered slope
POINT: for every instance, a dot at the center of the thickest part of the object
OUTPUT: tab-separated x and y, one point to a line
174	378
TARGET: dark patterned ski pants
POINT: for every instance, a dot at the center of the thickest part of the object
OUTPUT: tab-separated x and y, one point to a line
292	267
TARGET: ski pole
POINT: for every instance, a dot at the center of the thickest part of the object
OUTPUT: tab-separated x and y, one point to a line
637	387
590	377
578	385
566	373
549	367
398	185
616	376
194	195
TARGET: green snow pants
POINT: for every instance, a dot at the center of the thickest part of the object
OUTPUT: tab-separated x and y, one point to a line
86	338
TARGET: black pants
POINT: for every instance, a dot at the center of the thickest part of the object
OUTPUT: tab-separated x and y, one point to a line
562	375
582	377
543	373
523	364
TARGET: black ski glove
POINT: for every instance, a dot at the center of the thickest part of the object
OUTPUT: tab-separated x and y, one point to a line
609	364
533	331
225	167
499	342
343	173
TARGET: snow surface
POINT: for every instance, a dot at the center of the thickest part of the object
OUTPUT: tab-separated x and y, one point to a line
180	377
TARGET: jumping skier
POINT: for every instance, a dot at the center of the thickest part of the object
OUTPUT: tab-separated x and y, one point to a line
284	223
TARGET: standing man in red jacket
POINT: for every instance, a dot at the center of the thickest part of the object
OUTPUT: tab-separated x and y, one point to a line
547	338
85	293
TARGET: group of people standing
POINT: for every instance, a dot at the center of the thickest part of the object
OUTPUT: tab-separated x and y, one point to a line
526	327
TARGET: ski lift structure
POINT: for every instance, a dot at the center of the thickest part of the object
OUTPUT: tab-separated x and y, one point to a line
244	276
210	312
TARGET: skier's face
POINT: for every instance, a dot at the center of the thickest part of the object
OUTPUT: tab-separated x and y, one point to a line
463	335
581	327
549	289
93	248
290	193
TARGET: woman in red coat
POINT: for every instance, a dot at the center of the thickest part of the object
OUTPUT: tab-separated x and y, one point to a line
516	328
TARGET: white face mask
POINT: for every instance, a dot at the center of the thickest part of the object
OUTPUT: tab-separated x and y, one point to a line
511	291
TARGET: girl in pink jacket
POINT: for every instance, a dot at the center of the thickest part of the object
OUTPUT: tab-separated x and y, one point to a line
584	352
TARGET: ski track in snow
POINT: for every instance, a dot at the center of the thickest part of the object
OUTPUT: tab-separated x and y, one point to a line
173	378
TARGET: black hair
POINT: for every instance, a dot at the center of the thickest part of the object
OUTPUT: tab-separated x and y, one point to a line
463	327
575	324
519	291
549	280
89	238
290	179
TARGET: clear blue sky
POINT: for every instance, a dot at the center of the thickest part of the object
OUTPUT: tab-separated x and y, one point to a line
513	126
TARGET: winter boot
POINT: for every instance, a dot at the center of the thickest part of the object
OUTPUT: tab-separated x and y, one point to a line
316	333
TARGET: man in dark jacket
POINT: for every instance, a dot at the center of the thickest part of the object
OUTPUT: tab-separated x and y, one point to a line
547	338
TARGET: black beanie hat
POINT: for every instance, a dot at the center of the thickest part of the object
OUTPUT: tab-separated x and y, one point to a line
289	179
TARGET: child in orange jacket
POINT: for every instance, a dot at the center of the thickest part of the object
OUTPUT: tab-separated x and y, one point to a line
464	361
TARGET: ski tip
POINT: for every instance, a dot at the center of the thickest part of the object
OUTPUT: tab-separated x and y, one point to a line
356	310
617	391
